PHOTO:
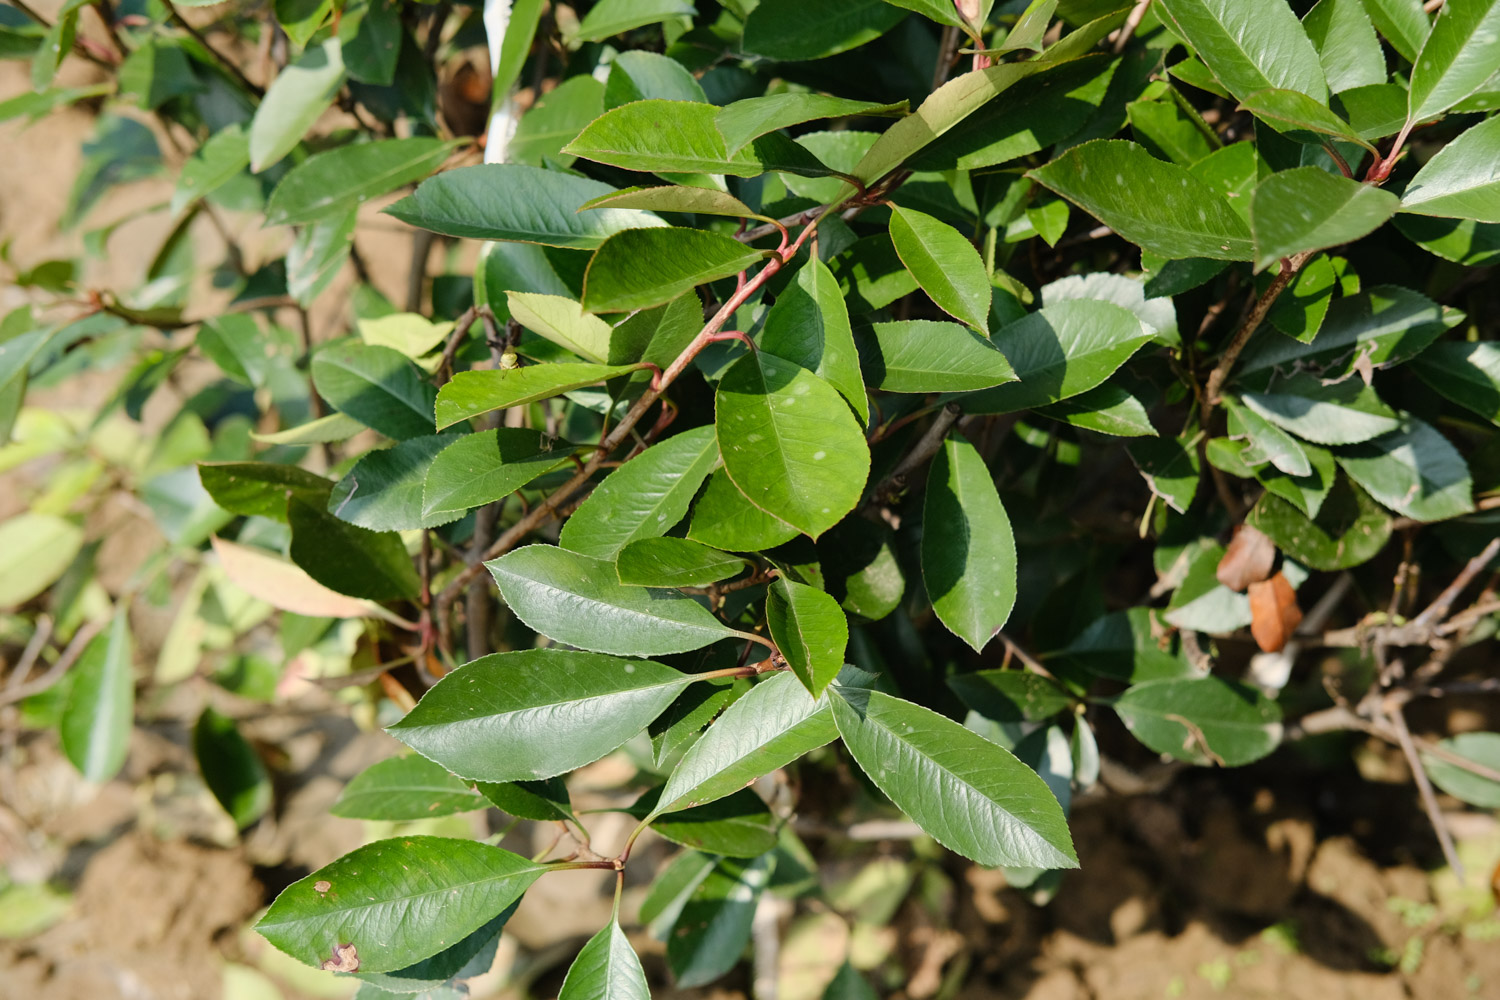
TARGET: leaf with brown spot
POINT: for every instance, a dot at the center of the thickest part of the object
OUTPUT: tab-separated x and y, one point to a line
1274	614
322	886
1248	559
345	958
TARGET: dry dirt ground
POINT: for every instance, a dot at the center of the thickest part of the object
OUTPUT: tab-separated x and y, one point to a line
1252	884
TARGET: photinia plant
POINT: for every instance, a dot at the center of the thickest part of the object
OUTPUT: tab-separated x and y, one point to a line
939	383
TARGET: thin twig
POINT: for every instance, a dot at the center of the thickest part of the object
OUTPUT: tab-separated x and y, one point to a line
1438	609
1424	788
1132	22
925	448
225	63
54	673
1216	379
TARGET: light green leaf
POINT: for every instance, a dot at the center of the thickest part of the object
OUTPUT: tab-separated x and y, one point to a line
300	93
1403	23
615	17
1307	208
260	489
1159	206
100	708
1347	47
563	322
923	355
1463	180
1202	720
1296	114
808	325
1348	528
644	498
1030	28
607	968
470	394
790	443
377	386
393	899
799	30
35	550
641	268
383	492
1467	373
579	601
675	198
1346	412
231	768
674	563
773	725
481	468
1463	241
945	264
1060	351
744	121
810	630
968	551
219	159
1268	442
333	427
1250	44
970	795
405	788
512	201
656	136
326	184
1460	54
1413	471
1104	409
945	11
536	713
726	519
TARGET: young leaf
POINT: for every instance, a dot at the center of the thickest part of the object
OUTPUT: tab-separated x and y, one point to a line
607	968
790	443
394	900
477	469
714	925
383	492
1413	471
945	264
615	17
1250	44
470	394
1307	208
578	600
968	551
100	708
970	795
512	201
674	563
1158	206
644	498
1457	58
666	137
641	268
1347	47
726	519
405	788
349	559
328	183
377	386
231	768
1060	351
1346	412
743	121
536	713
1461	181
1202	720
923	355
773	725
259	489
562	321
810	630
809	325
1467	373
300	93
798	30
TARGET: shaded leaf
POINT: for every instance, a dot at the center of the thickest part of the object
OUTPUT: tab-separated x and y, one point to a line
808	325
477	469
383	492
726	519
377	386
1307	208
1349	528
349	559
1250	44
810	631
968	551
1413	471
1202	720
231	768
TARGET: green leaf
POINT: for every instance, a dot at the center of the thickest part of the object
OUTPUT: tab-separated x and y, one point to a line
1296	114
1104	409
1250	44
1347	47
536	713
377	386
1384	325
301	19
1159	206
773	725
35	550
544	801
477	469
670	891
1463	241
326	184
1403	23
870	275
615	17
470	394
394	899
1457	58
1268	442
100	708
218	160
155	73
317	253
641	75
968	551
1170	468
790	443
231	768
607	968
714	925
1010	695
656	136
349	559
1413	471
383	492
1166	130
808	325
1466	373
1307	208
1461	181
1124	646
333	427
641	268
799	30
301	92
579	601
512	201
562	321
945	264
372	42
1031	27
555	120
970	795
1346	412
674	563
1202	720
470	956
742	122
726	519
739	826
405	788
681	724
1060	351
644	498
1481	748
924	355
1348	529
943	12
675	198
810	630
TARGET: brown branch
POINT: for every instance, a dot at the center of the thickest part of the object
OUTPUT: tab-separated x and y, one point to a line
1289	268
1438	609
925	448
16	692
1424	788
225	63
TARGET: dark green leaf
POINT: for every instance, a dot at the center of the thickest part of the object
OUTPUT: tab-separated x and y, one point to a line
797	30
383	492
1467	373
1307	208
100	708
923	355
481	468
377	386
713	926
231	768
641	268
349	559
739	826
1413	471
725	518
1104	409
470	394
544	801
471	956
968	551
744	121
1132	645
607	968
1402	22
405	788
808	325
1349	528
1463	241
1010	695
1170	466
1202	720
615	17
1250	44
260	489
640	75
1301	117
674	563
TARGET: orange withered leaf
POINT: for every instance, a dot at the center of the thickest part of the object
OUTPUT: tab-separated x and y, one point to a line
1274	614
